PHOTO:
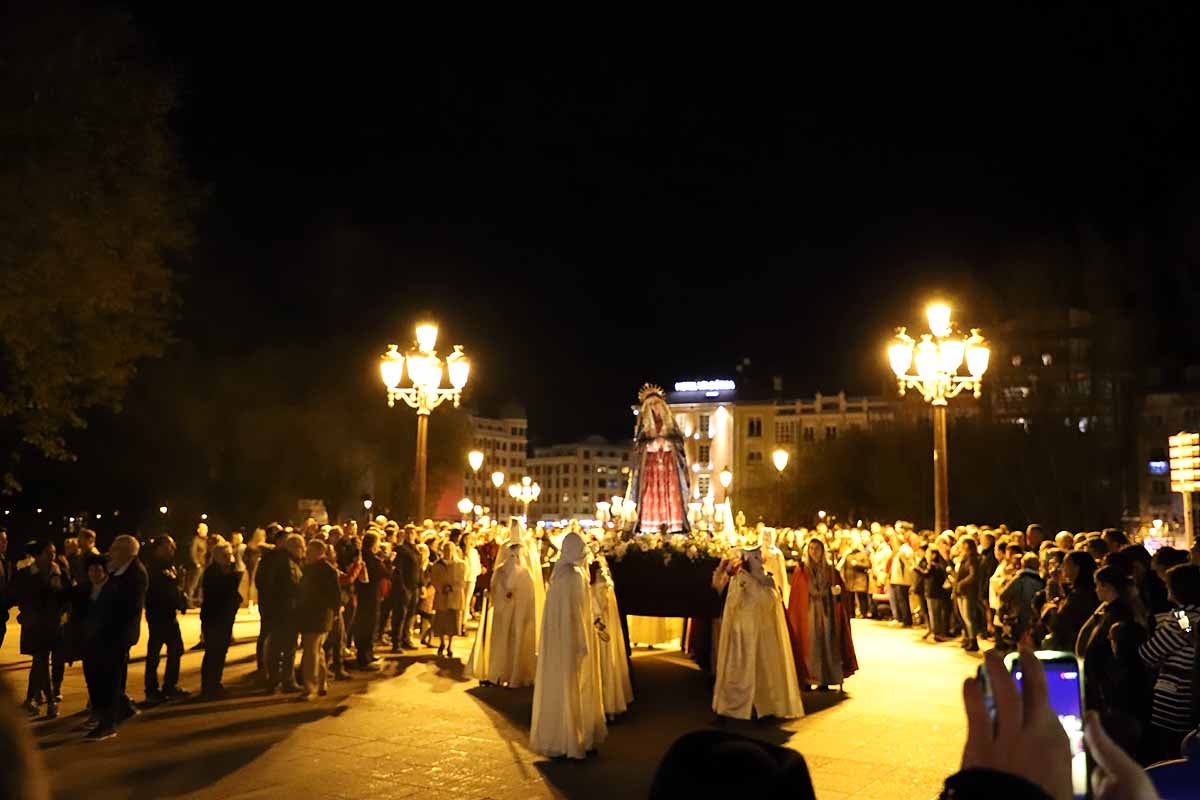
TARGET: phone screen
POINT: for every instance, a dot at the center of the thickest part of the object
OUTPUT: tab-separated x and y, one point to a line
1064	685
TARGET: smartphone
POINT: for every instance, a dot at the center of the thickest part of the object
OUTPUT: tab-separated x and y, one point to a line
1064	685
1184	621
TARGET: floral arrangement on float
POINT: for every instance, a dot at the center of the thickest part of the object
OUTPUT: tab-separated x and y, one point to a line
693	546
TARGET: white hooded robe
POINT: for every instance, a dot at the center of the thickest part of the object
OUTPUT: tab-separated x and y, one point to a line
614	665
505	651
568	707
755	670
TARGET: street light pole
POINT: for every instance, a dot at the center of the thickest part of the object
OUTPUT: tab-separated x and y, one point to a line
425	371
937	359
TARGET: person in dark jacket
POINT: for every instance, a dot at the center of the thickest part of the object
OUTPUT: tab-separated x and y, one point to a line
406	576
937	592
1078	571
318	604
270	555
1092	646
366	617
987	568
966	594
129	581
6	576
86	634
283	590
164	599
42	594
218	610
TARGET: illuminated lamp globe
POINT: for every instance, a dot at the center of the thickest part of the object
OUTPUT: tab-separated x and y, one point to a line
780	458
938	315
951	351
926	358
459	366
465	506
514	490
497	479
391	367
427	333
475	459
900	353
726	477
537	490
978	354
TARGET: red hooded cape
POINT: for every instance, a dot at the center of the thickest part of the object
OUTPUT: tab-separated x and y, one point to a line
797	617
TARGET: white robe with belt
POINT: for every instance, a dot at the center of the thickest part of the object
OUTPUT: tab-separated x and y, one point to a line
755	671
614	664
505	651
568	709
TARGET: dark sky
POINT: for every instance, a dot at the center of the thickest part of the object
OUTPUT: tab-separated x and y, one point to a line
584	220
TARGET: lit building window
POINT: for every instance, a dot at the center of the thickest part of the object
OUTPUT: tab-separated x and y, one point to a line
703	454
704	483
785	432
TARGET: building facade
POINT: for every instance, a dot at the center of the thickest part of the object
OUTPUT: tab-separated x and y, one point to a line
722	431
504	443
574	476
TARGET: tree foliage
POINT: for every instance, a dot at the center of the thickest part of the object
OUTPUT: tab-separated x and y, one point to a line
94	204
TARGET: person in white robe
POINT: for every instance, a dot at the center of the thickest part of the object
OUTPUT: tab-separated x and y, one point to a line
531	555
505	651
775	563
568	706
755	670
614	663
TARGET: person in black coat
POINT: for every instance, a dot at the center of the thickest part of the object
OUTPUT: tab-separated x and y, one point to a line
937	591
366	617
86	635
283	591
318	604
129	581
6	576
42	594
1093	647
218	611
1078	570
164	599
406	579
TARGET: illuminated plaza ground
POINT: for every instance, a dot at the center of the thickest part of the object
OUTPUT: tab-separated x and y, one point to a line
421	730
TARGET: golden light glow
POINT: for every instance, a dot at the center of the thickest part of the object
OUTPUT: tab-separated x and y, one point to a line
427	333
938	315
900	353
514	490
951	353
367	504
726	478
459	366
780	458
391	367
497	479
978	354
475	459
161	509
926	358
465	506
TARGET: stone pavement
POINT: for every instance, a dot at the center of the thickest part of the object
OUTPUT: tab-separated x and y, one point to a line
420	729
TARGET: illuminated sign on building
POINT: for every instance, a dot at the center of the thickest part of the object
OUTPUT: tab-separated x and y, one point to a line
1159	467
705	386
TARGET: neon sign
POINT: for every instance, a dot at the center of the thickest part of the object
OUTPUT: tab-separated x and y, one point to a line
705	386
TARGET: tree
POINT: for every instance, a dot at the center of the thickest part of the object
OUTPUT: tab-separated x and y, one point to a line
94	205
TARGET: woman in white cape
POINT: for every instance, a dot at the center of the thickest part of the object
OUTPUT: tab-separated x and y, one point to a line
505	650
755	670
614	665
568	707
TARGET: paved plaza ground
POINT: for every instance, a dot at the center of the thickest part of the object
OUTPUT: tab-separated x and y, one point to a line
419	729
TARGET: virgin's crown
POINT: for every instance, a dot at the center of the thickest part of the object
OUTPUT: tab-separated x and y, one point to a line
649	390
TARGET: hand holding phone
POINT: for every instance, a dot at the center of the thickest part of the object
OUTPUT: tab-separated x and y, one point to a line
1026	737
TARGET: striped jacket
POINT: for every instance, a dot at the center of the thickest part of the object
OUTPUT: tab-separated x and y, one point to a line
1171	651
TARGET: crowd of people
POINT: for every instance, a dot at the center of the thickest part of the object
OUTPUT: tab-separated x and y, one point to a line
330	595
1129	615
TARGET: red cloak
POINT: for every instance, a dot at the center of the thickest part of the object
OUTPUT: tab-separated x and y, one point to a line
797	617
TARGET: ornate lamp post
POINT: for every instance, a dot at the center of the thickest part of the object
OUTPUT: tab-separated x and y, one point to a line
465	507
937	359
425	371
524	493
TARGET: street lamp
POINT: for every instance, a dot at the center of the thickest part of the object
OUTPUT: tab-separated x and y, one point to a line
726	478
425	371
524	493
497	482
465	507
162	510
779	457
937	359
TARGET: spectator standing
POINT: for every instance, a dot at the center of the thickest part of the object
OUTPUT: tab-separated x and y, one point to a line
855	567
448	579
937	591
285	575
1017	608
1078	571
199	556
366	592
129	581
900	579
85	549
6	577
1171	651
318	605
407	578
164	599
41	591
1092	647
966	594
217	615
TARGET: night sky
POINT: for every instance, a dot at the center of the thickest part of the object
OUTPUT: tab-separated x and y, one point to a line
584	220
